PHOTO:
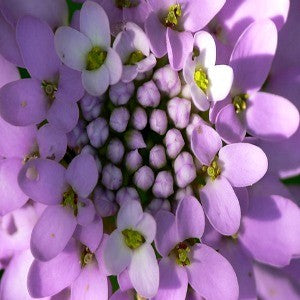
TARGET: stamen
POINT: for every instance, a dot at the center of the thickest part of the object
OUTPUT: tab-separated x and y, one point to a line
240	102
213	171
201	79
86	257
95	58
171	20
181	252
70	199
135	57
50	88
133	239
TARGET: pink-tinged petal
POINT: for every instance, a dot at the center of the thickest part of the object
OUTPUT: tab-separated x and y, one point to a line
271	117
243	267
8	44
216	107
147	226
63	115
199	97
69	85
11	196
52	232
23	102
243	164
144	272
9	71
230	125
16	141
161	6
54	12
129	73
72	47
43	180
96	82
243	196
124	281
156	33
221	205
191	8
94	24
167	234
179	46
52	143
116	255
273	284
205	143
173	281
189	209
252	55
36	42
90	284
211	275
14	281
86	211
119	295
207	49
90	235
270	230
189	69
220	81
82	174
130	214
114	66
49	278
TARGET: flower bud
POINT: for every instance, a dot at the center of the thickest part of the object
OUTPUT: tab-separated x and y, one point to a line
184	169
78	136
135	140
121	92
104	201
167	81
97	131
144	178
88	149
195	121
174	142
91	107
157	156
148	94
158	204
159	121
127	193
163	185
139	119
180	194
179	110
119	119
112	177
133	160
115	151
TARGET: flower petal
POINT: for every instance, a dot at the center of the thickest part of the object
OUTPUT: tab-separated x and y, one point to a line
36	41
243	163
205	143
72	47
252	55
229	125
189	209
49	278
211	275
220	81
11	196
114	65
143	271
52	232
94	24
199	97
271	117
82	174
23	102
221	205
147	226
116	255
90	284
173	281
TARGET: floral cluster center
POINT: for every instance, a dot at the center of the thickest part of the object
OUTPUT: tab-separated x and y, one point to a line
135	57
181	252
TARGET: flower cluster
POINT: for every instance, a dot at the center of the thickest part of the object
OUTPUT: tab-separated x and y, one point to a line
142	150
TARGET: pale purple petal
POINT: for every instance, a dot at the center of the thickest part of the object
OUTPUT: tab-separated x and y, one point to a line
52	232
86	211
143	271
221	205
129	215
199	97
243	163
49	278
147	226
114	66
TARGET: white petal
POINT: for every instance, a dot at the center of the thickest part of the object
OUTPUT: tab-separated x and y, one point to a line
114	65
207	48
129	215
199	98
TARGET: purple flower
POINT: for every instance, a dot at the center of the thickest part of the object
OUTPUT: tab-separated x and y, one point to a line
135	140
187	261
129	246
89	50
207	82
133	48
